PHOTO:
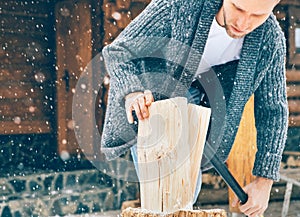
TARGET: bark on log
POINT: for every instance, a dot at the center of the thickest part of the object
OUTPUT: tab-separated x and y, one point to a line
136	212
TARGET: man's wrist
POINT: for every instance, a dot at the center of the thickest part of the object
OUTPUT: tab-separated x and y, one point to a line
265	180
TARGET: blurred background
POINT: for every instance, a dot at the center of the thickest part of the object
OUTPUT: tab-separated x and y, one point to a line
44	48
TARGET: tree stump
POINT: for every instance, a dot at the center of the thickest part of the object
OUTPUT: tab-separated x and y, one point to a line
135	212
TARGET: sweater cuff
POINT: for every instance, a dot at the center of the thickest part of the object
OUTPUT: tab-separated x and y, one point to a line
267	165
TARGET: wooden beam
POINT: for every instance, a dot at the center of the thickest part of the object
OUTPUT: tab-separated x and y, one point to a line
294	106
294	121
287	197
291	173
123	4
74	52
14	91
21	110
242	155
293	75
293	91
25	127
199	118
141	1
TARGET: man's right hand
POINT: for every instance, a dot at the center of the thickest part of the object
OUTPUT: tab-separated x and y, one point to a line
138	102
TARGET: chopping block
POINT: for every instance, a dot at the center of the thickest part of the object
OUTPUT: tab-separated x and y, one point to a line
135	212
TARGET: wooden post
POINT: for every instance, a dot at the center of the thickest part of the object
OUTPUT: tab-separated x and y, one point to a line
170	147
242	155
74	52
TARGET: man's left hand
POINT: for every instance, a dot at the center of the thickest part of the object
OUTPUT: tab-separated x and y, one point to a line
258	197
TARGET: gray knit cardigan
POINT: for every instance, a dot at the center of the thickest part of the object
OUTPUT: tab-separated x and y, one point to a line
177	30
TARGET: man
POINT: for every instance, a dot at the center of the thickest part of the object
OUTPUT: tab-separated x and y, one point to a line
241	41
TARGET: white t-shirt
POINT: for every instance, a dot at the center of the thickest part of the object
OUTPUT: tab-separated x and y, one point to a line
220	48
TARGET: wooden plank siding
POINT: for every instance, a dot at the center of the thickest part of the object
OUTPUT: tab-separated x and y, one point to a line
293	93
285	13
118	14
27	45
27	72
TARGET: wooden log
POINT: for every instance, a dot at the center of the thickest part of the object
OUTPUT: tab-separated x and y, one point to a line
109	9
170	146
293	75
17	91
122	19
13	109
25	74
25	127
293	90
135	212
141	1
198	125
294	106
137	9
123	4
159	140
294	121
112	30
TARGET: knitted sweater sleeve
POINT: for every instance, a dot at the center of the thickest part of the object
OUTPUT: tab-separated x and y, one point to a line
271	117
147	33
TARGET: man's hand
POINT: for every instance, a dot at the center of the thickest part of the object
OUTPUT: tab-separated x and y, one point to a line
258	197
138	102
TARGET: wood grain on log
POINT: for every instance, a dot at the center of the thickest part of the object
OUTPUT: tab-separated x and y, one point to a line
170	146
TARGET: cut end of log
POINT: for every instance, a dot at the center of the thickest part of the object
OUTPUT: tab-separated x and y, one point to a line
137	212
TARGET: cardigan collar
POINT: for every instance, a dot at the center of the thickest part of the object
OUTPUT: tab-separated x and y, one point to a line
209	10
249	54
244	79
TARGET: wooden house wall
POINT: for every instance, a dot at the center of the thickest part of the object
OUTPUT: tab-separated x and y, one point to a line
27	57
118	14
27	73
288	15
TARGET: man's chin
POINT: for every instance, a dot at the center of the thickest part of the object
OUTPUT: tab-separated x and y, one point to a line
234	35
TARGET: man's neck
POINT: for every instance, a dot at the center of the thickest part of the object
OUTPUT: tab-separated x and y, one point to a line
220	17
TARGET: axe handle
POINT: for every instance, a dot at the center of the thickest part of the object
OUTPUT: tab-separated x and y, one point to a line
225	173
